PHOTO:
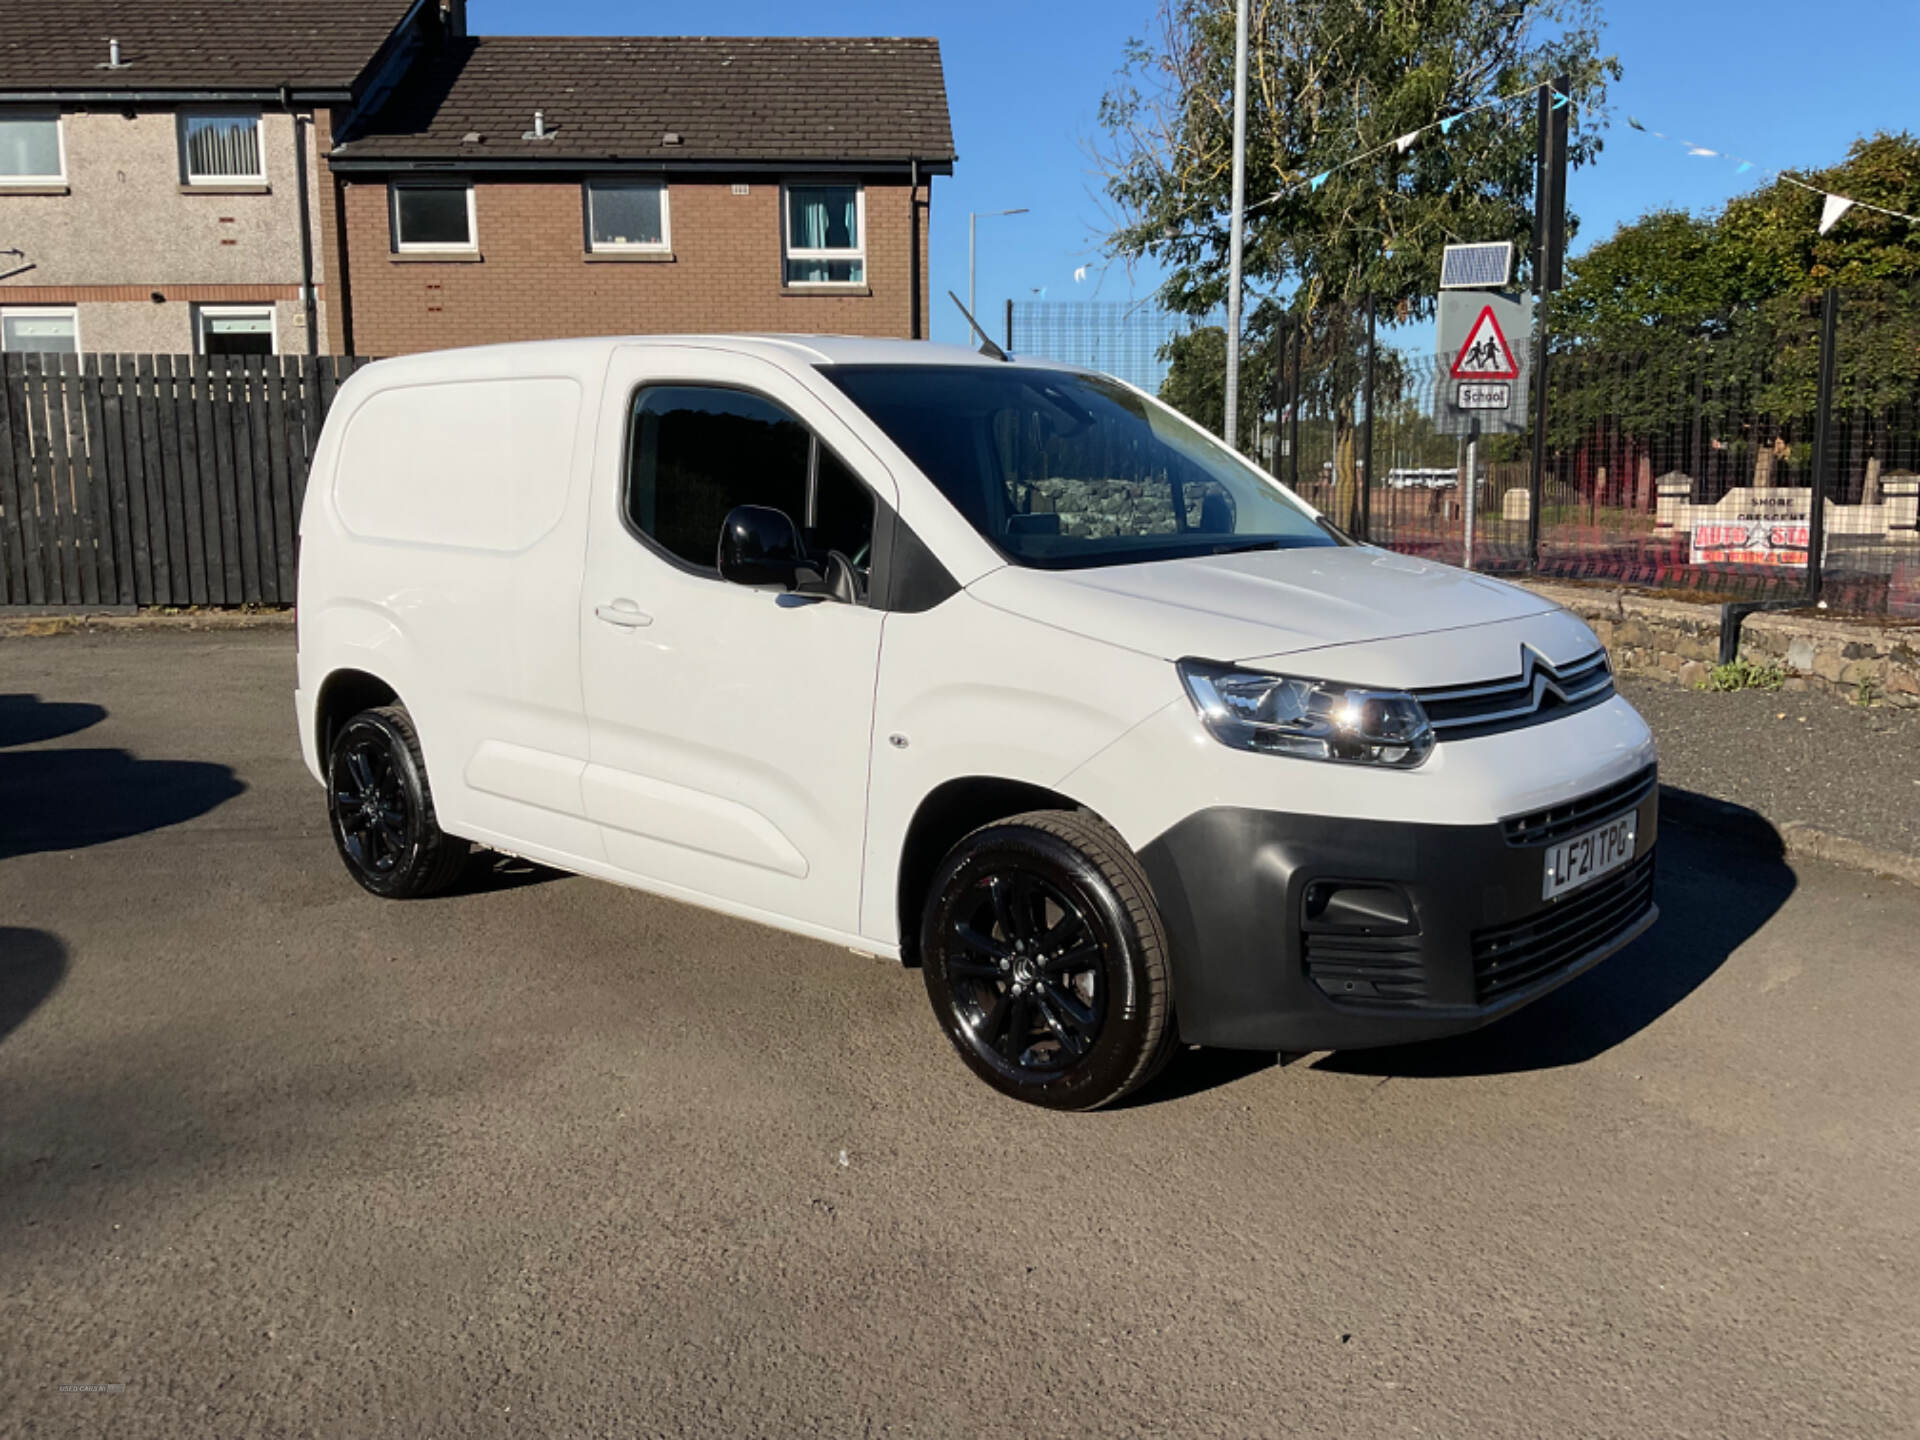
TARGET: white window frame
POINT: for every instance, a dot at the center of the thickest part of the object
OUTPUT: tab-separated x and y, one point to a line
72	312
59	147
665	244
789	253
202	313
217	182
419	247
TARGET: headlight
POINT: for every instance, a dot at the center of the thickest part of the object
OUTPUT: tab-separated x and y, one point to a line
1314	719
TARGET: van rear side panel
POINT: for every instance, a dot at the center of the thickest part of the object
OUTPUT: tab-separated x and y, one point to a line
441	546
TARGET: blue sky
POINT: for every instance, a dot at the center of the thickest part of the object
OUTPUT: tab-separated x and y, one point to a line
1784	84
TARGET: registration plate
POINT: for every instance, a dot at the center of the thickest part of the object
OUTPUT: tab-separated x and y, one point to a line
1585	858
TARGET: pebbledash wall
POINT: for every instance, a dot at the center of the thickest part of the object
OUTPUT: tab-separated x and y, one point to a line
123	226
533	278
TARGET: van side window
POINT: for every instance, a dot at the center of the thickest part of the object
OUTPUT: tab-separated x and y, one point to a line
696	451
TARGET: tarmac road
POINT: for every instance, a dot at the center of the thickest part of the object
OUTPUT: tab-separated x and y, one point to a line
552	1158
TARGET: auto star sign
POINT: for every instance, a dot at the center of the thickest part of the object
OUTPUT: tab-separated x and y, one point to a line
1768	529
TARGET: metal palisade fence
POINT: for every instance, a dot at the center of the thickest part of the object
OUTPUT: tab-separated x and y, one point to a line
156	479
1771	455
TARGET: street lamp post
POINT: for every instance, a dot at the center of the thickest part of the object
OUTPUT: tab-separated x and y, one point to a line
972	217
1239	223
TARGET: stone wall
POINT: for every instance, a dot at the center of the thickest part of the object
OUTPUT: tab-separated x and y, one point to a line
1680	640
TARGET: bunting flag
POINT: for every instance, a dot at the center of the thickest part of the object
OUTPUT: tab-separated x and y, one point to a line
1400	144
1832	206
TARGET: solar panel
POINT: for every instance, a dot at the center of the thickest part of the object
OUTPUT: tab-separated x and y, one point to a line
1476	267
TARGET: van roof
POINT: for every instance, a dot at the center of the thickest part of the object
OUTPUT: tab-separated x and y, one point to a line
808	349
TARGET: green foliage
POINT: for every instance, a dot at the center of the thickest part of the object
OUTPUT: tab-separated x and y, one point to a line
1745	674
1196	383
1330	79
1677	316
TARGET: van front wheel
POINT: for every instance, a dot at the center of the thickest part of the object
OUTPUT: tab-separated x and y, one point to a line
1046	961
381	811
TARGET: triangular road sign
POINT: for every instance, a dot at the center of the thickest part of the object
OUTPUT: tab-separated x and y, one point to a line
1486	354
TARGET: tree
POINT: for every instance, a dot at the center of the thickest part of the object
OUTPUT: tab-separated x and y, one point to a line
1677	317
1196	383
1329	80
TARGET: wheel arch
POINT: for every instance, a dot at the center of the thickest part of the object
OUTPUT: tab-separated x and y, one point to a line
951	810
343	694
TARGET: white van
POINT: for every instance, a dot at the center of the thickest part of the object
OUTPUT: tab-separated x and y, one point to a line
998	667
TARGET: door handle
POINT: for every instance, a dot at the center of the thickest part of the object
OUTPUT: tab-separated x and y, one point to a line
623	613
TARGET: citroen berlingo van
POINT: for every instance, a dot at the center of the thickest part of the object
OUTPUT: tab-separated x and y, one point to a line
997	667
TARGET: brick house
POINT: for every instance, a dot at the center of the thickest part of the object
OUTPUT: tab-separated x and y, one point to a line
162	176
528	187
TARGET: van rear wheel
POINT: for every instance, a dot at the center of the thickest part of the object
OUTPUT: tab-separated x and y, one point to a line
1046	961
381	811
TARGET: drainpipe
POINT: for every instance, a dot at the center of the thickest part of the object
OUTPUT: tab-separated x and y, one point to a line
913	249
302	125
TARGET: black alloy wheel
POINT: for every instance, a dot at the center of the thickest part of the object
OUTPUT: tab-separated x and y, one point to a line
1027	974
1046	962
381	811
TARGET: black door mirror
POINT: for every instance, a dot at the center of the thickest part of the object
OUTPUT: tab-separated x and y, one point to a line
759	546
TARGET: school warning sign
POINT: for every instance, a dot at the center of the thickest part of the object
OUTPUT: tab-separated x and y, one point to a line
1485	355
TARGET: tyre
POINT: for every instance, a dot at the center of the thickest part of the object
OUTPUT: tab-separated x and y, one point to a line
1046	961
381	811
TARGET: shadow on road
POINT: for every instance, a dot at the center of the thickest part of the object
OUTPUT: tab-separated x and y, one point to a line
63	799
32	965
487	872
27	719
1713	894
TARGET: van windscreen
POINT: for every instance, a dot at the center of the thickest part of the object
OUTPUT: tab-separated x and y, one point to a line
1059	469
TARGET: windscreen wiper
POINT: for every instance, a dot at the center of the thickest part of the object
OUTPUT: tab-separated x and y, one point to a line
1250	546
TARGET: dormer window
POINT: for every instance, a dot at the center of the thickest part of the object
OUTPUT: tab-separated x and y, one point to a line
222	150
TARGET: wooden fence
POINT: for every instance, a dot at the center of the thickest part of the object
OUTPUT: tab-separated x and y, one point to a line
156	479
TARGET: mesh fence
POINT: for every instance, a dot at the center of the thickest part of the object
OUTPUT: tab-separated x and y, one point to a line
1121	338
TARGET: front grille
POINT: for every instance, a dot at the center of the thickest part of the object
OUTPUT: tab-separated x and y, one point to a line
1541	691
1374	970
1543	827
1509	957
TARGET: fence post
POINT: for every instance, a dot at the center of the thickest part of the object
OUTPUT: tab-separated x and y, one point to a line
1009	345
1366	437
1293	442
1537	482
1822	424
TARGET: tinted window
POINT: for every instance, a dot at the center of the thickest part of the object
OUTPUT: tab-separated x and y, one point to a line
431	215
1061	469
698	451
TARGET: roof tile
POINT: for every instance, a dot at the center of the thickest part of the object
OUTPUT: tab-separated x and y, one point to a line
192	44
727	98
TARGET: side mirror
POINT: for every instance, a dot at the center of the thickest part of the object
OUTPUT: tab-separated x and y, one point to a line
759	546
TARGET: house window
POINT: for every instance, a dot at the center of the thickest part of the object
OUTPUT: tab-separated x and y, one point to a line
222	150
826	235
433	217
49	332
235	330
623	216
30	152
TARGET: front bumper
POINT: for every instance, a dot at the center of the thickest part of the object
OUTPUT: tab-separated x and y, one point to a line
1448	931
